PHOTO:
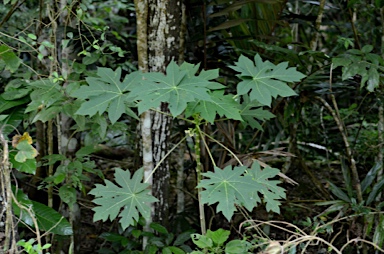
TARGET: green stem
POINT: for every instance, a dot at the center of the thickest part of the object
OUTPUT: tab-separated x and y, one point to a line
199	170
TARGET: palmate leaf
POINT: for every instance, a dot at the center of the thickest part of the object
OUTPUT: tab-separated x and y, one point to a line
264	80
176	88
107	93
241	186
132	196
221	104
268	188
228	187
252	113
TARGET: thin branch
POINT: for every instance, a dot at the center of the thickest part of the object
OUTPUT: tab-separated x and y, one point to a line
347	147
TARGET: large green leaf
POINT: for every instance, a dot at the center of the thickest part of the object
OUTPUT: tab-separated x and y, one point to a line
176	88
7	104
221	104
12	121
267	187
264	80
29	166
107	93
46	217
228	187
241	186
127	200
252	113
49	219
12	62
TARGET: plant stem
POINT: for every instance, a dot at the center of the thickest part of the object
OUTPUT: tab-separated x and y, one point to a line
199	170
352	162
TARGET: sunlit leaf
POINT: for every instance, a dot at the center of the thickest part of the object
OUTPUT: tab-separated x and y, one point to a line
25	151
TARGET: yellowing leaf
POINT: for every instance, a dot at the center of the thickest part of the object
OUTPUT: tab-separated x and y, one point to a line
18	138
25	151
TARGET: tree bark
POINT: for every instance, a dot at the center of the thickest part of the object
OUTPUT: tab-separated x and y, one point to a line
164	17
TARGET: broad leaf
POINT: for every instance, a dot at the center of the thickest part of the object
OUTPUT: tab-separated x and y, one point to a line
25	151
241	186
252	113
10	59
267	187
219	236
12	121
46	217
228	187
127	200
29	166
107	93
176	88
221	104
50	220
264	80
7	104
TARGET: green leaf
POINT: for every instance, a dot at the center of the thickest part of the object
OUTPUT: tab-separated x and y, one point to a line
239	186
107	93
221	104
375	191
340	61
10	59
367	49
47	218
378	236
268	188
50	220
236	247
183	237
132	196
252	113
157	227
7	104
25	151
176	88
228	187
29	166
176	250
202	241
12	121
219	236
68	195
264	80
339	193
370	177
373	79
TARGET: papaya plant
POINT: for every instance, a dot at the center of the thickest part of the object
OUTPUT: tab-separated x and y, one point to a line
197	99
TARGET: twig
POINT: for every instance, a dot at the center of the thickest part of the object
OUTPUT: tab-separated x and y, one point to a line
352	161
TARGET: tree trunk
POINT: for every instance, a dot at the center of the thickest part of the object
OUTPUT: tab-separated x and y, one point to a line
164	25
8	233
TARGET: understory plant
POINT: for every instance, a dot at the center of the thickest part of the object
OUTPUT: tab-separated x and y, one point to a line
197	99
